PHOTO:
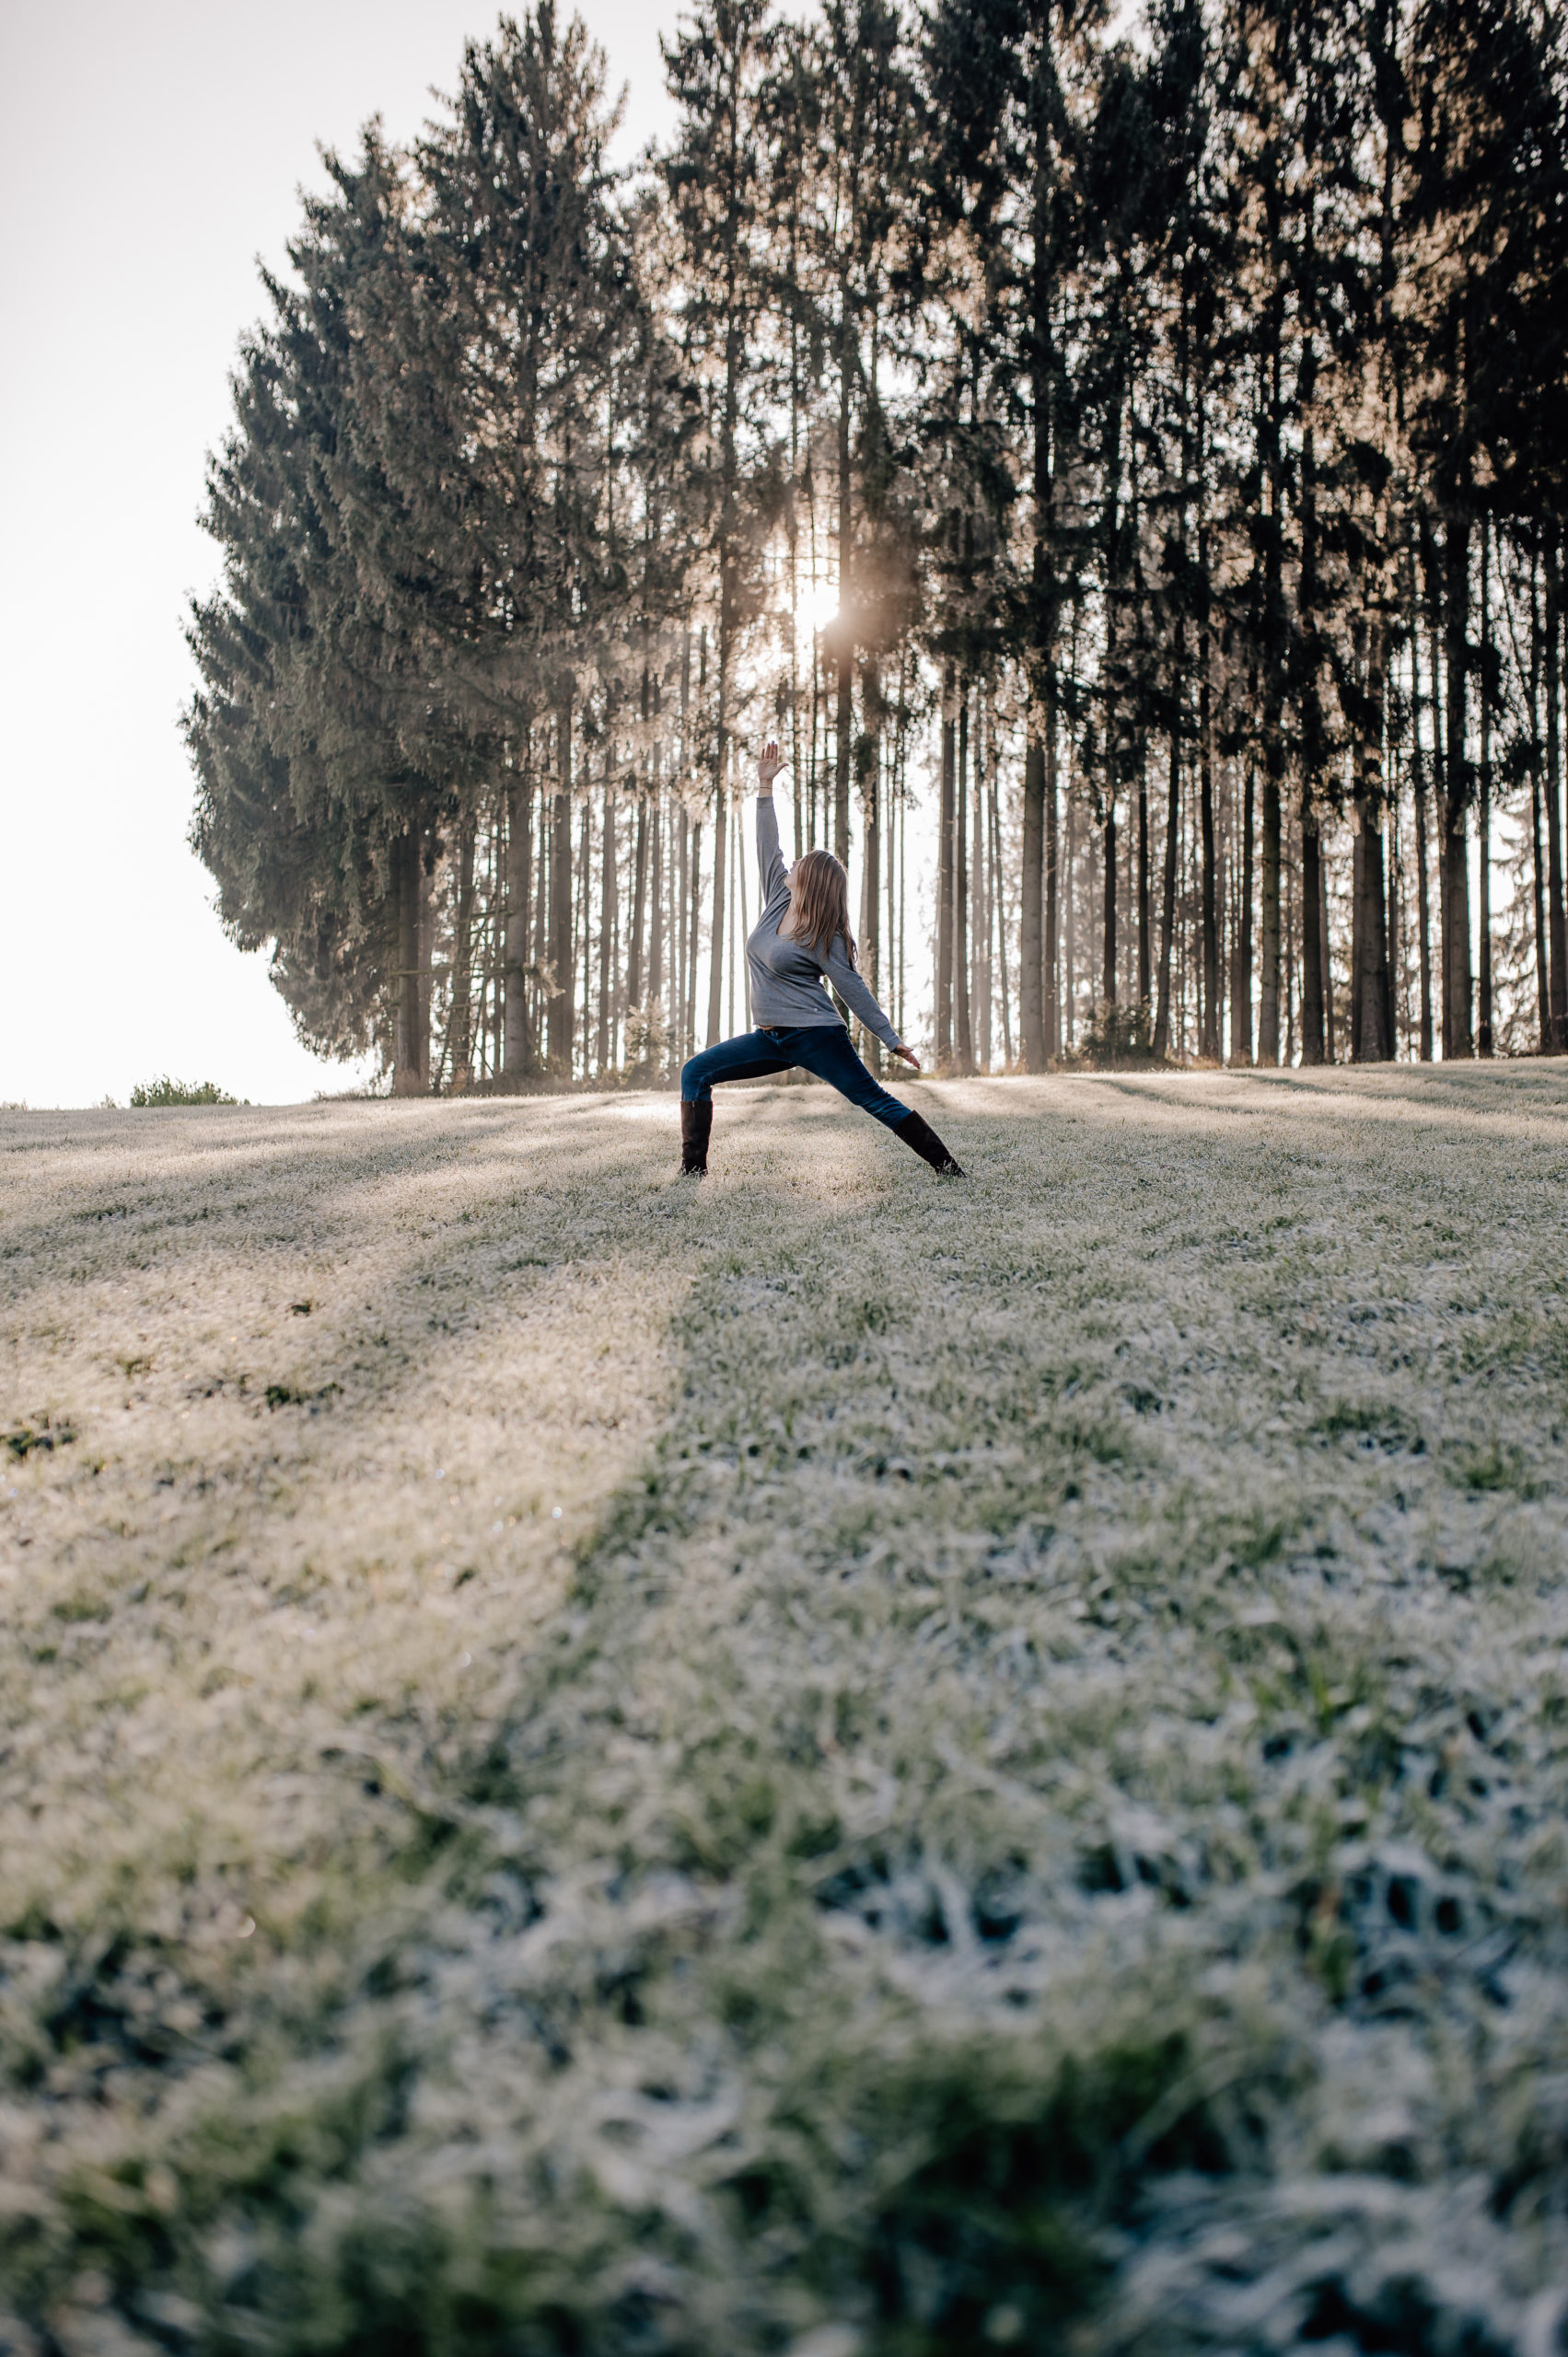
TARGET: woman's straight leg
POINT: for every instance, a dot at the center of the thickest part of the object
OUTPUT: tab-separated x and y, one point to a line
827	1054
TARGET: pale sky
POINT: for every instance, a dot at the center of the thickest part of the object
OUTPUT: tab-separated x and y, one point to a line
149	155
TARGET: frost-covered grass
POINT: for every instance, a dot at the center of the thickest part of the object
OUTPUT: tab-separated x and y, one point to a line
825	1763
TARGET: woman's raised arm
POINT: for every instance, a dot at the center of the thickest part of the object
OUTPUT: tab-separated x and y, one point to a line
770	859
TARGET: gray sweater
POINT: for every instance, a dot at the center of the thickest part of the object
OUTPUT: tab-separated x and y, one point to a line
787	979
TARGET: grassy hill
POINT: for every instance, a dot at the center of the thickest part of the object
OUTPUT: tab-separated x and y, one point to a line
827	1762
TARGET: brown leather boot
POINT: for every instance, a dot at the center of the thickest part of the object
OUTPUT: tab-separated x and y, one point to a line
696	1123
917	1133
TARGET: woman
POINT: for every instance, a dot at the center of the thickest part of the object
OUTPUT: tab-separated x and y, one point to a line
801	941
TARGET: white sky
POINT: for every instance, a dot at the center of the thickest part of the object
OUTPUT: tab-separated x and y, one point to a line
149	155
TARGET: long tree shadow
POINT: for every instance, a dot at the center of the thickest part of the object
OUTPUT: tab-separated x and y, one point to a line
828	1919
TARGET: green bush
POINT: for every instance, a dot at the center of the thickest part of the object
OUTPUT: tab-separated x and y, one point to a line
1115	1035
165	1091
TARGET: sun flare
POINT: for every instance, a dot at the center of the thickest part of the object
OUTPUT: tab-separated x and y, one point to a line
819	605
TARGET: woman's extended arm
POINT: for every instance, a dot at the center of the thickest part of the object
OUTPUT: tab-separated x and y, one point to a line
770	859
852	989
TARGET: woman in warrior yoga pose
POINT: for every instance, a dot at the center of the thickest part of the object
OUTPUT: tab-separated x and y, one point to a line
802	939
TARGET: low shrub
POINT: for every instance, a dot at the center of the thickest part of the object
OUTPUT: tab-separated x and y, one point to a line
1115	1035
164	1091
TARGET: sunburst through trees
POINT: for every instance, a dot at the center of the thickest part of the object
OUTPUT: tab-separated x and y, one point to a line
1127	470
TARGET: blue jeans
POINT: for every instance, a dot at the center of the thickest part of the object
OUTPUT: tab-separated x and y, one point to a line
822	1048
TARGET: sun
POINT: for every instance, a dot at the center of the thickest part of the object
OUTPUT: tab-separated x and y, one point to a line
821	605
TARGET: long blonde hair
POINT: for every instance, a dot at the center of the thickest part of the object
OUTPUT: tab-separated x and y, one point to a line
822	904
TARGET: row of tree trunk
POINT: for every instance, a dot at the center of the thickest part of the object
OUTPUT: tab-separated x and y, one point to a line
573	937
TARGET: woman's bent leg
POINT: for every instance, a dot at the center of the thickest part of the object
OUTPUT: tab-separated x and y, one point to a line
696	1129
751	1057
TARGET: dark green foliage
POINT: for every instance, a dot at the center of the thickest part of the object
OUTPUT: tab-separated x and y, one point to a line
414	517
1115	1035
41	1433
164	1091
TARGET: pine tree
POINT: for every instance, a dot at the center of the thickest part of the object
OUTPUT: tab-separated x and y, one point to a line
713	173
312	736
1000	74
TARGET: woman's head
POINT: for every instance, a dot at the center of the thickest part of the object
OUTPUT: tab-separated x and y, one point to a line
819	891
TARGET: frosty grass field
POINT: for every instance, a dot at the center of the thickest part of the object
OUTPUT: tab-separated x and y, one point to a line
824	1762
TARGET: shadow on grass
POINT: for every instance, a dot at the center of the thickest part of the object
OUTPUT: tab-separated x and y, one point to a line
814	1942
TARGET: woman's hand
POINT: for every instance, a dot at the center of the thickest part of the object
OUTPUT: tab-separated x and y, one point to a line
907	1056
768	767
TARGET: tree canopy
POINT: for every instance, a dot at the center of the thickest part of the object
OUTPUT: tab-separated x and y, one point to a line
1127	467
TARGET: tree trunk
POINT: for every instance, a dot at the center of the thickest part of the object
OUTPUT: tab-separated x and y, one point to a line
1543	982
639	906
963	1029
843	746
995	819
1108	912
518	1048
426	922
1070	927
583	931
1269	995
1483	815
461	1023
1382	1043
1209	1043
560	1026
1037	940
411	1054
1357	922
1172	842
716	935
1372	1024
1458	991
1317	1039
1325	958
539	994
945	864
1052	993
982	994
870	757
1378	1042
1287	961
1113	754
1439	789
1145	914
1241	989
1312	958
496	944
1030	955
1557	926
656	888
607	905
680	910
1418	810
1423	908
693	930
845	629
1273	633
731	898
1398	919
738	963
